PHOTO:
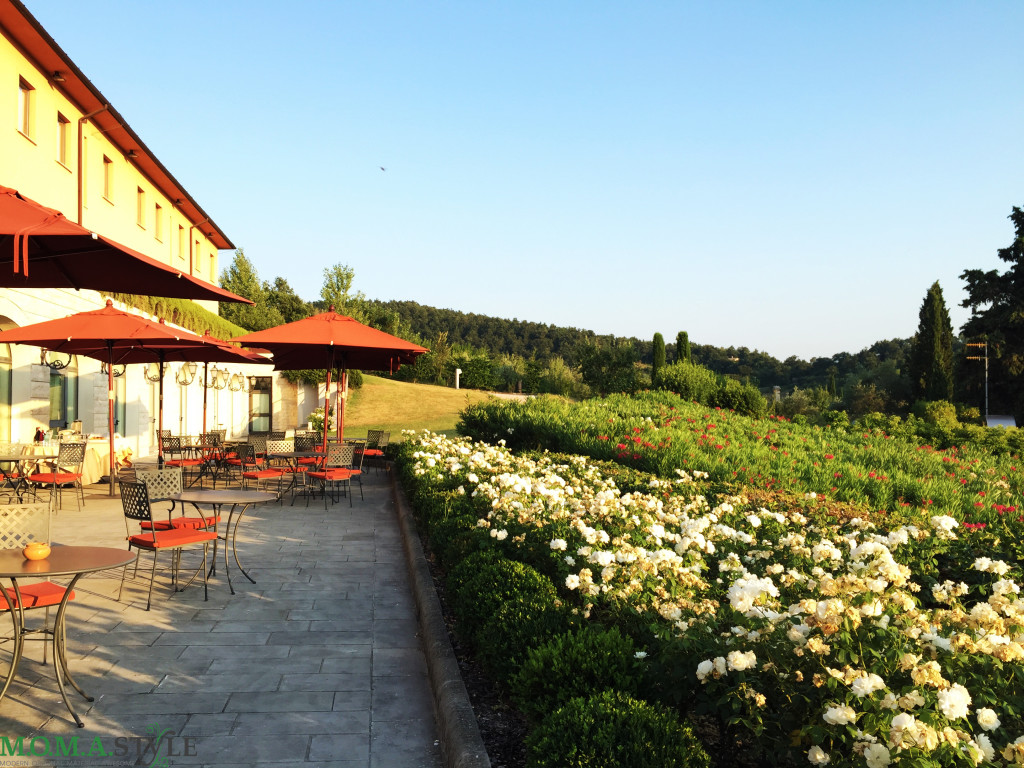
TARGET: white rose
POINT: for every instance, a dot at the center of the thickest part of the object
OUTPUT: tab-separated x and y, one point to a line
987	719
704	669
877	755
818	756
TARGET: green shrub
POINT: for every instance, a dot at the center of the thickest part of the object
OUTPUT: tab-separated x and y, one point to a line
690	381
938	412
613	730
503	608
575	665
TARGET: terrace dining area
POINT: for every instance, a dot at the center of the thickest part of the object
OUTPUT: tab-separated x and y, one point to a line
316	660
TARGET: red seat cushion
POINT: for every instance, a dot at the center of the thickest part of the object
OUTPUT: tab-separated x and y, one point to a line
373	452
59	478
331	474
259	474
178	537
192	523
183	463
38	595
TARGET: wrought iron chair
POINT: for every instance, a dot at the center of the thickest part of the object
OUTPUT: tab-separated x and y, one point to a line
336	472
135	501
21	524
176	455
268	470
161	485
376	443
66	470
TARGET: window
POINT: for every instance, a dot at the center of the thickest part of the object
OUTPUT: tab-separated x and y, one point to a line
64	396
181	242
194	265
26	106
158	222
140	207
62	139
213	267
108	179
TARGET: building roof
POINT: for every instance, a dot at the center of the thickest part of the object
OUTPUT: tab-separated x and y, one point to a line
27	34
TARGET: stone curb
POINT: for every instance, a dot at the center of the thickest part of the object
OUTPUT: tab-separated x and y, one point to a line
460	735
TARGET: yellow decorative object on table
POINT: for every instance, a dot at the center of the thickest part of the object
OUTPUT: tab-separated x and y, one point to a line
36	550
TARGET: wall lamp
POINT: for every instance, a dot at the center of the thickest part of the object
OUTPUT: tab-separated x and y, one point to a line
152	372
186	374
58	76
118	369
55	364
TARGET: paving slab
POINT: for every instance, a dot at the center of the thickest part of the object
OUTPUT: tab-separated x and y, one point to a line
319	663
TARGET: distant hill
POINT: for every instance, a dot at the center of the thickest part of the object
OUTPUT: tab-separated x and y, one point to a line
537	341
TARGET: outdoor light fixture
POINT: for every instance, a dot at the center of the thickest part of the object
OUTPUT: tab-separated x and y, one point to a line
152	372
132	154
186	374
58	76
55	365
217	378
237	382
118	370
252	381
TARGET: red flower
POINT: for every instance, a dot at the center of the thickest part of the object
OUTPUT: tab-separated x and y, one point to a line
602	437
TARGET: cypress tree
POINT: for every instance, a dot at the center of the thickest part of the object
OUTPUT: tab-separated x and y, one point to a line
658	361
931	353
683	347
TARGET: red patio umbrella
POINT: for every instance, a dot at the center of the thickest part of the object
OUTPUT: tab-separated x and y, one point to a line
188	347
46	250
330	340
112	335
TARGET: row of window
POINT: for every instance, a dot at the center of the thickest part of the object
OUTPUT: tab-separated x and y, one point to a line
26	125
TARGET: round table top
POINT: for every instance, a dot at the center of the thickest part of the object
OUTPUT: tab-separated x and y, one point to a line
27	456
225	496
63	560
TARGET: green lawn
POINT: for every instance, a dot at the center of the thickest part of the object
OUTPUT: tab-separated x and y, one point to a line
397	405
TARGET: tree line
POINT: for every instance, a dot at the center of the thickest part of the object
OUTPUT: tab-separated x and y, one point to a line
494	353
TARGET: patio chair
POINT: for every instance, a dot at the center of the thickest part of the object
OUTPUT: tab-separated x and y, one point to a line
269	470
242	460
161	485
65	471
135	501
336	472
21	524
176	456
376	442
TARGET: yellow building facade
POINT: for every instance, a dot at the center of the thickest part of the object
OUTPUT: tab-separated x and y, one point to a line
65	146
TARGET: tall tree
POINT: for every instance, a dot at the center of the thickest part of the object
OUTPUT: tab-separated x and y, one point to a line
682	347
657	359
285	300
241	278
337	291
996	301
931	356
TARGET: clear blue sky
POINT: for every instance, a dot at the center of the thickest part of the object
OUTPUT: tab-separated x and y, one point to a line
790	177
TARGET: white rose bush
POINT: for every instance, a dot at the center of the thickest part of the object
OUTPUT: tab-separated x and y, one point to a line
822	636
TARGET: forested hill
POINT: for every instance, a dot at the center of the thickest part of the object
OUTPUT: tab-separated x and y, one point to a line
537	341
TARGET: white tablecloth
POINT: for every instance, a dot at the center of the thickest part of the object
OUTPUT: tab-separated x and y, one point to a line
97	456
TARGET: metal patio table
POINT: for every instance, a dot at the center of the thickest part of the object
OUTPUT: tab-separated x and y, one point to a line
63	560
240	500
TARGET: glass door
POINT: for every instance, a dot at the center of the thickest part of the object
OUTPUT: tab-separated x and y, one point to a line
260	413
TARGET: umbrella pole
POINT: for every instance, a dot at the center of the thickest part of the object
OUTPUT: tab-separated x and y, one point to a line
327	399
160	416
342	402
205	379
112	477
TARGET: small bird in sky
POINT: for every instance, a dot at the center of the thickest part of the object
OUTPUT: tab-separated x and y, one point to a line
383	168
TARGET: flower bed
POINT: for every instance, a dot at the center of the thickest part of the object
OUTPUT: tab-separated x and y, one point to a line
825	638
660	433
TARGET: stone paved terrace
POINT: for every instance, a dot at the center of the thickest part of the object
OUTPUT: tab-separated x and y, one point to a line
319	663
